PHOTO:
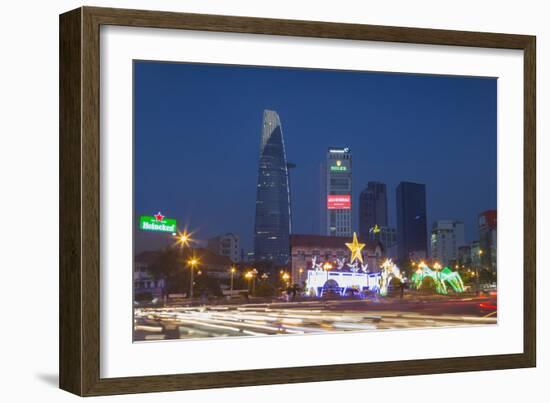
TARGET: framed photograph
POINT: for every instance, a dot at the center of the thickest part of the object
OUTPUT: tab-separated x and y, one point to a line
250	201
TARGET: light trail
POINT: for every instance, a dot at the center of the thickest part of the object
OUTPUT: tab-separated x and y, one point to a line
268	319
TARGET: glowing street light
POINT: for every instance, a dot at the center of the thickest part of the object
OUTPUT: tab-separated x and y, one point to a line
192	263
233	270
478	285
251	277
286	278
183	239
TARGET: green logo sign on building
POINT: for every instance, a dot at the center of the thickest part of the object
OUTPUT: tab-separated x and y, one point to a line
158	223
338	167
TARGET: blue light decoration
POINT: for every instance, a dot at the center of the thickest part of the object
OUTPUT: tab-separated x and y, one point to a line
352	275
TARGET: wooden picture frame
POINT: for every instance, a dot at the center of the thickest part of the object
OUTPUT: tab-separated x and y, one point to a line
80	187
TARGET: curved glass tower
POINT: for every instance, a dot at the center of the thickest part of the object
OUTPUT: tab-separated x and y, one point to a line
272	222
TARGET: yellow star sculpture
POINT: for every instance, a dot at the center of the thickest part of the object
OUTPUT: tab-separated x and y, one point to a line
355	247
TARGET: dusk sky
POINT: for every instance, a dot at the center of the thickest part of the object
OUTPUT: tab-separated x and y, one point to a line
197	132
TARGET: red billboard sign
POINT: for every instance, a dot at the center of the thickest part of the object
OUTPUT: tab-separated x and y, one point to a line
339	202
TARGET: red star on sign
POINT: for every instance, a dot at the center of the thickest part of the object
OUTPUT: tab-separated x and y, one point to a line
158	216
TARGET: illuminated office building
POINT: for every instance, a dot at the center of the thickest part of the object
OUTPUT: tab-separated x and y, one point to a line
336	213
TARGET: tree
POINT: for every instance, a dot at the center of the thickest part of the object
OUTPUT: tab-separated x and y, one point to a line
170	265
207	285
265	289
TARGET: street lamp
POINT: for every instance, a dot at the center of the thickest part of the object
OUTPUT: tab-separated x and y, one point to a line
254	274
183	239
286	277
192	263
233	270
478	285
327	267
250	277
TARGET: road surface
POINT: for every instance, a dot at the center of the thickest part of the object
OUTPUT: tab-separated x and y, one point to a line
279	318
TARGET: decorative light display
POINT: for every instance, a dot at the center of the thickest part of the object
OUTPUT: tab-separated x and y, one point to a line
355	247
440	278
343	275
388	273
355	275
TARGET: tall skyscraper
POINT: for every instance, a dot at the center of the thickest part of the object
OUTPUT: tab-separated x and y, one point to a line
335	200
387	236
373	208
488	239
272	223
411	221
447	236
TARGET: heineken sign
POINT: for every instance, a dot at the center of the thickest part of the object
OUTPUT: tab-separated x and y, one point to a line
158	223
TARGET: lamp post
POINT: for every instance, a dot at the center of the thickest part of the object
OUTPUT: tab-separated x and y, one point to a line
327	267
192	263
232	274
184	239
254	274
437	268
478	286
249	276
286	277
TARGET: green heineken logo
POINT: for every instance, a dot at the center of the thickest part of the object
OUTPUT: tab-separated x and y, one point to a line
158	223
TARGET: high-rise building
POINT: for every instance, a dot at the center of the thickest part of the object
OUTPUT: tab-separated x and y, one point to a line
488	239
373	208
447	237
272	222
475	258
465	255
411	220
335	200
387	236
226	245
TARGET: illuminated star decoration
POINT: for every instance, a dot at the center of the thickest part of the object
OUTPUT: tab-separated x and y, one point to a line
355	247
159	216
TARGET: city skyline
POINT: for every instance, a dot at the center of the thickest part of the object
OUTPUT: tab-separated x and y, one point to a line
183	205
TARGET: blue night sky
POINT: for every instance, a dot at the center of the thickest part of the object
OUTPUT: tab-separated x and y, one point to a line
197	132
